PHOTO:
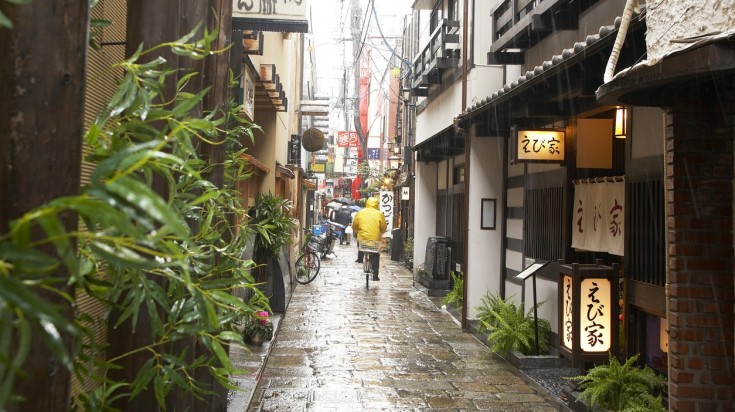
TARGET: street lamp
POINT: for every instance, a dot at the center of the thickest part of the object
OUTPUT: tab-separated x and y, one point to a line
406	95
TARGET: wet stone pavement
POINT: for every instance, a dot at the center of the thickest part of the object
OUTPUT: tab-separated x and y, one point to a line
342	347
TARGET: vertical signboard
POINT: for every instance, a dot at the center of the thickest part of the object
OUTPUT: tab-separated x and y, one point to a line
595	317
386	205
567	313
294	150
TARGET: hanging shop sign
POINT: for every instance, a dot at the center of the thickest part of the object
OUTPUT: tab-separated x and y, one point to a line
247	94
539	145
347	139
386	206
294	150
288	16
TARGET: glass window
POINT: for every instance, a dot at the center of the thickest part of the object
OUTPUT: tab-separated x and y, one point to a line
656	343
453	12
436	16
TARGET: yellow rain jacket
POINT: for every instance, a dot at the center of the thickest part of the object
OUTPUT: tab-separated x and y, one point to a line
369	222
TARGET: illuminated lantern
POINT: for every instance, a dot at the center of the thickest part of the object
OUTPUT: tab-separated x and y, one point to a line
312	139
588	319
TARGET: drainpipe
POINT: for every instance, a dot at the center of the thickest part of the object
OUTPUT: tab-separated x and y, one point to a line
630	7
467	139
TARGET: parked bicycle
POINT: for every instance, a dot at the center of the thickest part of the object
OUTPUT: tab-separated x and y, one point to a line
371	250
308	263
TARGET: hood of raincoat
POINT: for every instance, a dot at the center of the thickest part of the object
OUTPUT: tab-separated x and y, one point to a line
371	202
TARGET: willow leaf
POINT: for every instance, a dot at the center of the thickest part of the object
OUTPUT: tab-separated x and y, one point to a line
142	196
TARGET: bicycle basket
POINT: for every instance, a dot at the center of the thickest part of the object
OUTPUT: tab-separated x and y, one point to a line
315	243
369	246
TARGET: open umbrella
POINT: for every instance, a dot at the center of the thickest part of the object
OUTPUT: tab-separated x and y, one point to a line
356	208
345	201
334	205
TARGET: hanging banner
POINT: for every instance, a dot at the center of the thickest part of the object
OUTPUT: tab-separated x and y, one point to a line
373	154
385	204
347	139
599	217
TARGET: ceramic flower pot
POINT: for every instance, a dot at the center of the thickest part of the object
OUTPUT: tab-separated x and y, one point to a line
256	339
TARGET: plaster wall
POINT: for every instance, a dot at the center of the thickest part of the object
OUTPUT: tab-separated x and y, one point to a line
482	81
647	137
271	145
425	210
481	29
439	113
602	13
668	20
484	247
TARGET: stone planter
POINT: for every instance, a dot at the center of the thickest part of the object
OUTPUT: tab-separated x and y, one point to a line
522	361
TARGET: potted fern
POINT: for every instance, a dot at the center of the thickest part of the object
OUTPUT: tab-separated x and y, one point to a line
454	298
510	329
408	252
625	387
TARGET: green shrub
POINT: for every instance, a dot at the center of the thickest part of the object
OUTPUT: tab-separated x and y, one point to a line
408	248
623	387
172	260
273	223
509	328
455	296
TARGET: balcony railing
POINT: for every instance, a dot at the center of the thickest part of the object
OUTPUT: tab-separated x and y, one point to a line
440	53
520	24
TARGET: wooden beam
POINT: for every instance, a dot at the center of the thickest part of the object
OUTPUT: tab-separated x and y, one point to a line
41	113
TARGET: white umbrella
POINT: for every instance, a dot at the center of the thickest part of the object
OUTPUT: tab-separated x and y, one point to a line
334	205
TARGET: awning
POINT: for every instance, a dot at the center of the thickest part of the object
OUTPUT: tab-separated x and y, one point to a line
276	25
283	171
258	166
655	82
441	146
308	184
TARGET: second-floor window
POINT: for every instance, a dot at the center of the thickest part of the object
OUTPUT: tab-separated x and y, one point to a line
436	16
453	11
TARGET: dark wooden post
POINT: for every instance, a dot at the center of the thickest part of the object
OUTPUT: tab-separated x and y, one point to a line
216	74
42	79
148	23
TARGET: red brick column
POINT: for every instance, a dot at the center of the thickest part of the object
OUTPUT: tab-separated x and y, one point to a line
699	224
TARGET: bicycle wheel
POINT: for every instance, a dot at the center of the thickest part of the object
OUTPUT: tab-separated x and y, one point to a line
367	268
307	267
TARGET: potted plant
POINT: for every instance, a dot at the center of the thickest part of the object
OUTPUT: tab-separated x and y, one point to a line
408	252
510	329
625	387
453	299
258	328
273	227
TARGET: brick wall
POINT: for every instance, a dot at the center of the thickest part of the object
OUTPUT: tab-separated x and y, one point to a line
699	224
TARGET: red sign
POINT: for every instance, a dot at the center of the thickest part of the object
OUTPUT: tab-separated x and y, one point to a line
347	139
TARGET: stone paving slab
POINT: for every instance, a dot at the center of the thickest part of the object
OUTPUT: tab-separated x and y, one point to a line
341	347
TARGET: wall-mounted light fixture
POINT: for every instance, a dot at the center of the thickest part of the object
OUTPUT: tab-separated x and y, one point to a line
405	95
621	122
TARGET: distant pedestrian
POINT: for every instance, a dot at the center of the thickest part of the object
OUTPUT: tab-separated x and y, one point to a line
344	217
369	225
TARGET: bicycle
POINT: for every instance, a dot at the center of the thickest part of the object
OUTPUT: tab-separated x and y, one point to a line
308	263
368	248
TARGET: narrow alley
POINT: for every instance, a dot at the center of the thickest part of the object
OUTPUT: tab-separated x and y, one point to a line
341	347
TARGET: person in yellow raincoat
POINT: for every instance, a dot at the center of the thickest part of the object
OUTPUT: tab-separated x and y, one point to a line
369	224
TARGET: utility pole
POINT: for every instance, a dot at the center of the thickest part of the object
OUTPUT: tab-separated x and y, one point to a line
356	13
